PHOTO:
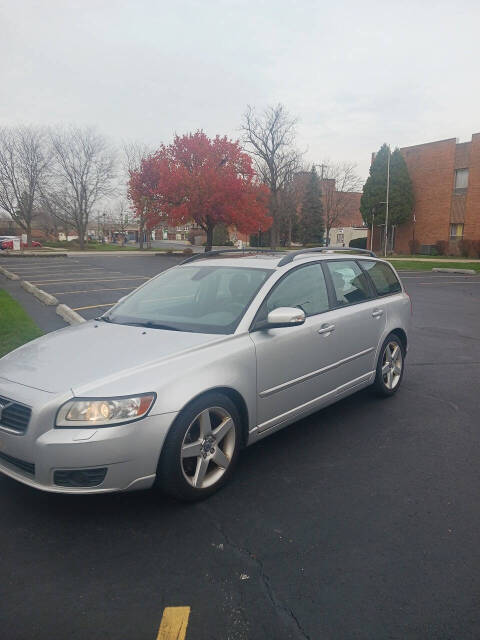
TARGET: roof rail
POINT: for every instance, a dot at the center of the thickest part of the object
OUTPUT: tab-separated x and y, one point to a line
216	252
293	254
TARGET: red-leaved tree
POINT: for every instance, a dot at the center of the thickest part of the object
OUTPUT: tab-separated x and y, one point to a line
208	181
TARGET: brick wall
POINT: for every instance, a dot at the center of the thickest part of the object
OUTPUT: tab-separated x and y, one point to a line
432	169
472	207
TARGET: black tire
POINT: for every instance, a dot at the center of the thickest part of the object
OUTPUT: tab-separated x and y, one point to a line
380	385
171	472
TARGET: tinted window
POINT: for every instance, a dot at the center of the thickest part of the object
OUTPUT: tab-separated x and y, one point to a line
304	288
384	279
349	281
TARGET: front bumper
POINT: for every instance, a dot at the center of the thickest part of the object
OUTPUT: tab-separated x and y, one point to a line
130	452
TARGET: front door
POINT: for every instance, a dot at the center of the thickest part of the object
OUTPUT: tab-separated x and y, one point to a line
291	360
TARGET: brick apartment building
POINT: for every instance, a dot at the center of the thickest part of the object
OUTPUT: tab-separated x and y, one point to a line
446	184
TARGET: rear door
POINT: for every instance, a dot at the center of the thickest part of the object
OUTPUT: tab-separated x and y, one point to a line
359	318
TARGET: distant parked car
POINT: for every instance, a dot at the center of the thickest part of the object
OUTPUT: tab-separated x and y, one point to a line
201	360
8	244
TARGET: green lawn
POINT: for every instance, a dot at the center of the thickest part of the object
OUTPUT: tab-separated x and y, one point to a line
16	326
417	265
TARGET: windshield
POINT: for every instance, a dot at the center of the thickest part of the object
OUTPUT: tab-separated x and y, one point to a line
201	299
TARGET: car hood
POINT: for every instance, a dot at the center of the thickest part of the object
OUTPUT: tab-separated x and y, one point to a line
83	354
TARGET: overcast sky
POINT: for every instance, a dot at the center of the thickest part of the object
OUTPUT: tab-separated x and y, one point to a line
355	74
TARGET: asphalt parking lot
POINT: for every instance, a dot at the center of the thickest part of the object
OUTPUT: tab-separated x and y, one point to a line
359	522
90	284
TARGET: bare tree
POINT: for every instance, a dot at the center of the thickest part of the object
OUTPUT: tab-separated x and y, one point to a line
133	154
270	139
82	174
339	180
24	159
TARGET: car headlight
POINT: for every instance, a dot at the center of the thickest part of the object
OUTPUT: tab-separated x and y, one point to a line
104	412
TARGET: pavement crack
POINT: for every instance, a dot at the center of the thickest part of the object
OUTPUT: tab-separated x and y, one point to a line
279	606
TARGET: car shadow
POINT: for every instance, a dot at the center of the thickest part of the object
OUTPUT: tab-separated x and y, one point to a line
307	441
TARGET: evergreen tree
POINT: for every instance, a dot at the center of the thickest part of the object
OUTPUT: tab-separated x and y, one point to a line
374	195
311	222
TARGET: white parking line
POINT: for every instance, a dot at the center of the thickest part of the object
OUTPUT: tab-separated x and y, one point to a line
94	280
449	282
63	293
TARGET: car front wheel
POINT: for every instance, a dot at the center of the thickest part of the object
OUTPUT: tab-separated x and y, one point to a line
201	448
390	366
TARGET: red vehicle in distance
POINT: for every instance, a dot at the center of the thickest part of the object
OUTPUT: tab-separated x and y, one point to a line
8	244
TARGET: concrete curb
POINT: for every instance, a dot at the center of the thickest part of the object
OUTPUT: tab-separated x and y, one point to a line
42	295
445	270
69	315
53	254
9	274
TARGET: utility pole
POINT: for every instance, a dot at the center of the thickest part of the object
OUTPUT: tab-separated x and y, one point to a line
371	233
388	193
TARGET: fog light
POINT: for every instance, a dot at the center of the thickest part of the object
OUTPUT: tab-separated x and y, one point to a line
80	477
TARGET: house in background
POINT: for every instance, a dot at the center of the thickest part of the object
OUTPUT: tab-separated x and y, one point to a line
342	207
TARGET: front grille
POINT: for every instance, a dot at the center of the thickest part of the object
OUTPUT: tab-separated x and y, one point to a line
14	416
80	477
28	467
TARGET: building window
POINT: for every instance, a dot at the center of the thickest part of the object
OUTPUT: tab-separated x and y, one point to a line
461	178
456	231
340	238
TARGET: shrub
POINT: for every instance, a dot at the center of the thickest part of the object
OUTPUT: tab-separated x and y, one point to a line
358	243
187	251
466	247
441	246
414	247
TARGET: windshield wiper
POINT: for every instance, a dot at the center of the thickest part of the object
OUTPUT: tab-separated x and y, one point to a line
151	325
104	319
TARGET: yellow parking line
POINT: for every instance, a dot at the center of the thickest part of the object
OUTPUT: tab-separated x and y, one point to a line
94	306
91	280
174	623
63	293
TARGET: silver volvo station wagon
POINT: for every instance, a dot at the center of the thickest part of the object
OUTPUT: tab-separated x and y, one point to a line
209	356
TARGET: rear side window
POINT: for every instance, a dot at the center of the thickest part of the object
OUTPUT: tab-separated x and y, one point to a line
383	277
349	282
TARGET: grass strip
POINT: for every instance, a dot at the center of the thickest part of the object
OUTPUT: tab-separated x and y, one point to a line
16	326
418	265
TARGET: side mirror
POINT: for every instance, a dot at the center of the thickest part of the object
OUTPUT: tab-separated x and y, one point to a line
285	317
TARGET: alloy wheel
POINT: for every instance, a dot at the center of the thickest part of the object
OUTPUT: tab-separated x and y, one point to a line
208	447
392	364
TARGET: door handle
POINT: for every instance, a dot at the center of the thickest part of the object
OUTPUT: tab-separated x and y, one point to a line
377	313
327	328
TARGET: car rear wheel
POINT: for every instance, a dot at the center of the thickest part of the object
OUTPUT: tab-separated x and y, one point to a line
201	448
390	366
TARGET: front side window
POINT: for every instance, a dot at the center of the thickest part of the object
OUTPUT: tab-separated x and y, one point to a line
202	299
304	288
384	279
349	282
